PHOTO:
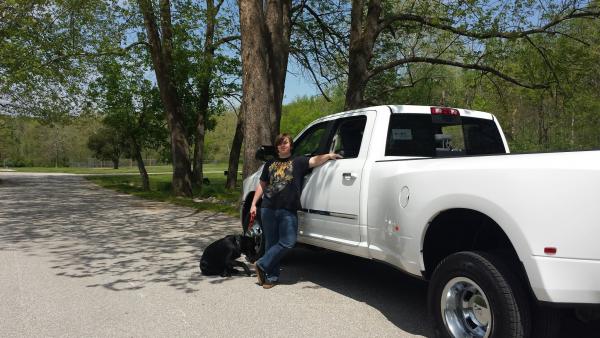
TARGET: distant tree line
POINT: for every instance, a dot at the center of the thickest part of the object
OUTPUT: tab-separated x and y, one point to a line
159	72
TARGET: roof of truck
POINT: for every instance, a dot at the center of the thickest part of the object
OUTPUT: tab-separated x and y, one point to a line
406	109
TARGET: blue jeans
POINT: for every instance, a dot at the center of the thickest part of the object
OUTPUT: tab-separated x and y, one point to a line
280	228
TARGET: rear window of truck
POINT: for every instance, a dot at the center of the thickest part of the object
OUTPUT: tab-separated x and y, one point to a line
441	136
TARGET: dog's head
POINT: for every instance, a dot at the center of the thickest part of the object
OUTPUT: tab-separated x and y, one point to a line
248	248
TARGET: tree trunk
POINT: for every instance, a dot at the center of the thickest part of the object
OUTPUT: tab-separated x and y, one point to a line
257	99
116	153
572	127
513	125
542	125
234	154
208	54
278	25
265	49
363	34
137	153
197	171
161	51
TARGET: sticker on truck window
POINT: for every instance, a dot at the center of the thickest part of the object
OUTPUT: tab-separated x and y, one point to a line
402	134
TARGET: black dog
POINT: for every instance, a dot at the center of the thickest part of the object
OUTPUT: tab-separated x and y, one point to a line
219	258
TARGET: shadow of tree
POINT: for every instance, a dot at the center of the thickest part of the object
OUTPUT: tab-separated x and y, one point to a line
87	231
400	298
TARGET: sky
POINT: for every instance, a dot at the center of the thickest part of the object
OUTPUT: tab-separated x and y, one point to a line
296	85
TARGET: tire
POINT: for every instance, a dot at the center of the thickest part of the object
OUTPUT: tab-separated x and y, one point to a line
475	294
257	233
260	248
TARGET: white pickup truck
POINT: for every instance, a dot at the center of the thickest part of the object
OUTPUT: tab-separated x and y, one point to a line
503	239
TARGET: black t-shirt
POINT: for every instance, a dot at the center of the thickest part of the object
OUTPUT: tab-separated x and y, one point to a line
284	178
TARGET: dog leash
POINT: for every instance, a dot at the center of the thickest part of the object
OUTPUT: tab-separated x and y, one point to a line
251	221
250	224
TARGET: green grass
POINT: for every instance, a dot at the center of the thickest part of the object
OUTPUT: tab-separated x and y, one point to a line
167	169
127	180
160	190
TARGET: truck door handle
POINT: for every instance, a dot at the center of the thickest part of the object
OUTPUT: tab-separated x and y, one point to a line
348	176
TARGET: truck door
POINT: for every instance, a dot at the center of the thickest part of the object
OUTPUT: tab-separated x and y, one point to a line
331	195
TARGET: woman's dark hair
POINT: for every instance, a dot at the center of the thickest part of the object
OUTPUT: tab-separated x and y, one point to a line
281	137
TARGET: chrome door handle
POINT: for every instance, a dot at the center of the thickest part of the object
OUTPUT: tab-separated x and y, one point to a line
348	176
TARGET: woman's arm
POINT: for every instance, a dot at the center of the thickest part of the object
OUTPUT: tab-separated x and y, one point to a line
257	195
317	160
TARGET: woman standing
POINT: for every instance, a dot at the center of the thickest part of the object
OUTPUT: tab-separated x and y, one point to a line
281	184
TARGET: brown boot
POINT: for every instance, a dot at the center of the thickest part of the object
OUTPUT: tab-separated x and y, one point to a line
268	285
260	274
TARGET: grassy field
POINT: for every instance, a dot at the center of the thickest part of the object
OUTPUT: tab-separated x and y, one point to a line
164	169
212	196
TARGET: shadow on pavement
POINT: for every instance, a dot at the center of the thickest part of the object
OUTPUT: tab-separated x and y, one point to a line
400	298
86	231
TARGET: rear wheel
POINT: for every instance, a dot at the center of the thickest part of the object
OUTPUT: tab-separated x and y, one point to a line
474	294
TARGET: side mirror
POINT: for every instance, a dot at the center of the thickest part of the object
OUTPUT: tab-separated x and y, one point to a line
265	153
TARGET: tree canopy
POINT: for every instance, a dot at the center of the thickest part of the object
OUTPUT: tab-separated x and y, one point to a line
160	72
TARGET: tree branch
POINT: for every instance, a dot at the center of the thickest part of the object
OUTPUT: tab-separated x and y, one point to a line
439	24
296	11
322	24
546	61
235	110
224	40
116	51
436	61
314	76
574	38
218	6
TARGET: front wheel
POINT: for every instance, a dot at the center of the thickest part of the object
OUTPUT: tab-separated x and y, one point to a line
474	294
256	232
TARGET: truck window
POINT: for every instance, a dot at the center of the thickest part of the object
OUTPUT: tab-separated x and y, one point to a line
308	143
441	136
482	137
348	136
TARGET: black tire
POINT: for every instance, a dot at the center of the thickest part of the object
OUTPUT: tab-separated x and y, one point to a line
259	238
260	250
500	306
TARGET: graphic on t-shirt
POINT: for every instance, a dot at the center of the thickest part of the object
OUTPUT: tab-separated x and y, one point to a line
280	174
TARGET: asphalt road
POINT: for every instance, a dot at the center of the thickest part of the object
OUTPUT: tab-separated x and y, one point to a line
78	260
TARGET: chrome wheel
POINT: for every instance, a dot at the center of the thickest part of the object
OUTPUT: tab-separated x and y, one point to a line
465	309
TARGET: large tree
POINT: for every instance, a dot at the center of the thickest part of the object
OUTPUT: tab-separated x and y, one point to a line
207	71
234	153
205	68
265	29
37	78
106	144
159	34
392	39
131	109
